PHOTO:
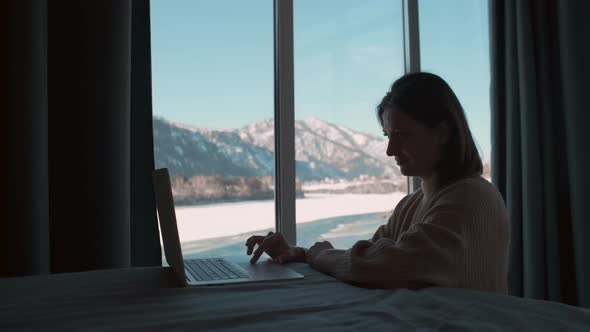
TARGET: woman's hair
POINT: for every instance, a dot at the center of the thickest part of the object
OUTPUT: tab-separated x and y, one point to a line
430	101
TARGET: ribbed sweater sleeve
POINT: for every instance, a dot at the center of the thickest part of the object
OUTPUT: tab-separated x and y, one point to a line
431	252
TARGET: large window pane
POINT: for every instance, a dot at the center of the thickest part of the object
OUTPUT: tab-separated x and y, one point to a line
454	44
346	55
213	107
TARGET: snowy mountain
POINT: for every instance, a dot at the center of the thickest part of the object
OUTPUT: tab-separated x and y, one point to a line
323	150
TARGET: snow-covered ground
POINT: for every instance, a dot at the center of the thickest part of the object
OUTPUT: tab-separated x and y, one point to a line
224	219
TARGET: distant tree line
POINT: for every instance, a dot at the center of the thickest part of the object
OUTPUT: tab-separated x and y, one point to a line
206	189
202	189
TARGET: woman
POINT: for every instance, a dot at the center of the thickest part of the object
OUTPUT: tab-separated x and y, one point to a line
453	232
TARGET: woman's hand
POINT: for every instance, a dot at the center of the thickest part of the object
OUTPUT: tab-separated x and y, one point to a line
276	246
317	248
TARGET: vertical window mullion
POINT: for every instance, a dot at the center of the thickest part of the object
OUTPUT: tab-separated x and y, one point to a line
284	120
411	29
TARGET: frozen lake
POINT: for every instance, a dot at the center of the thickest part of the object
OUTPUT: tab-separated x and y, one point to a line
221	229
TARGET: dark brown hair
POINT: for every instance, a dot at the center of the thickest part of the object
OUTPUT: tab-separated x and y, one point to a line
430	101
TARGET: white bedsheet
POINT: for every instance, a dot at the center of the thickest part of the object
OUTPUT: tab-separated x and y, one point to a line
146	300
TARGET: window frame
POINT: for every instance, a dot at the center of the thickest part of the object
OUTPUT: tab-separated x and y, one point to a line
284	120
411	26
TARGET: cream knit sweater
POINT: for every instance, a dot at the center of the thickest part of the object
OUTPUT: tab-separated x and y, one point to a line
458	239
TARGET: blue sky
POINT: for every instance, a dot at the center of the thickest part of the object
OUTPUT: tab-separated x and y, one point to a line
212	60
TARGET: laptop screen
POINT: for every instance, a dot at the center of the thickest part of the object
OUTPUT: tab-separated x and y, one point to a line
168	227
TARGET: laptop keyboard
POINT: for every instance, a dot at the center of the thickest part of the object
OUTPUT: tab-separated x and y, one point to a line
212	269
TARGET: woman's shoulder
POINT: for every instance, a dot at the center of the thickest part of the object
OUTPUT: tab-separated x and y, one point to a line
475	201
473	189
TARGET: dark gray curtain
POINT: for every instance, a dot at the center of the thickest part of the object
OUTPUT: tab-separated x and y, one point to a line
145	238
540	82
76	137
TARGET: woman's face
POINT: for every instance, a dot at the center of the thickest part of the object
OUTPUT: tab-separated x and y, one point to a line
415	147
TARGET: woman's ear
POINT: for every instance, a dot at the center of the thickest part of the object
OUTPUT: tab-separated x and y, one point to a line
444	133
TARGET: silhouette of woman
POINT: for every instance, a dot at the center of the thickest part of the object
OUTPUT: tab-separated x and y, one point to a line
452	232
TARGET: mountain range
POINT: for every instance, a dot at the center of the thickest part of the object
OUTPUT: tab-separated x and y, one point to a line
322	150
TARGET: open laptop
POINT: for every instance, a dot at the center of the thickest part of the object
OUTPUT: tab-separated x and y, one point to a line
206	271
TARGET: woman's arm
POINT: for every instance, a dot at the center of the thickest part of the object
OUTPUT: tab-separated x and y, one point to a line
429	253
384	231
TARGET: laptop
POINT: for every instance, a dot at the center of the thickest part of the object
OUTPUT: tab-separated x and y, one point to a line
205	271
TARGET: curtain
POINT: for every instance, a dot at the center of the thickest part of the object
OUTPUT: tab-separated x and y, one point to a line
76	137
540	76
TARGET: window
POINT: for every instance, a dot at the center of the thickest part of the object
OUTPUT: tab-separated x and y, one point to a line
212	64
346	55
214	102
454	44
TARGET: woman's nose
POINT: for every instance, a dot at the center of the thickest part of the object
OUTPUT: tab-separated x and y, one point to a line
392	148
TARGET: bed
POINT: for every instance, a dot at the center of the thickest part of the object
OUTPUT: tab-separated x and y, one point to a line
145	299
